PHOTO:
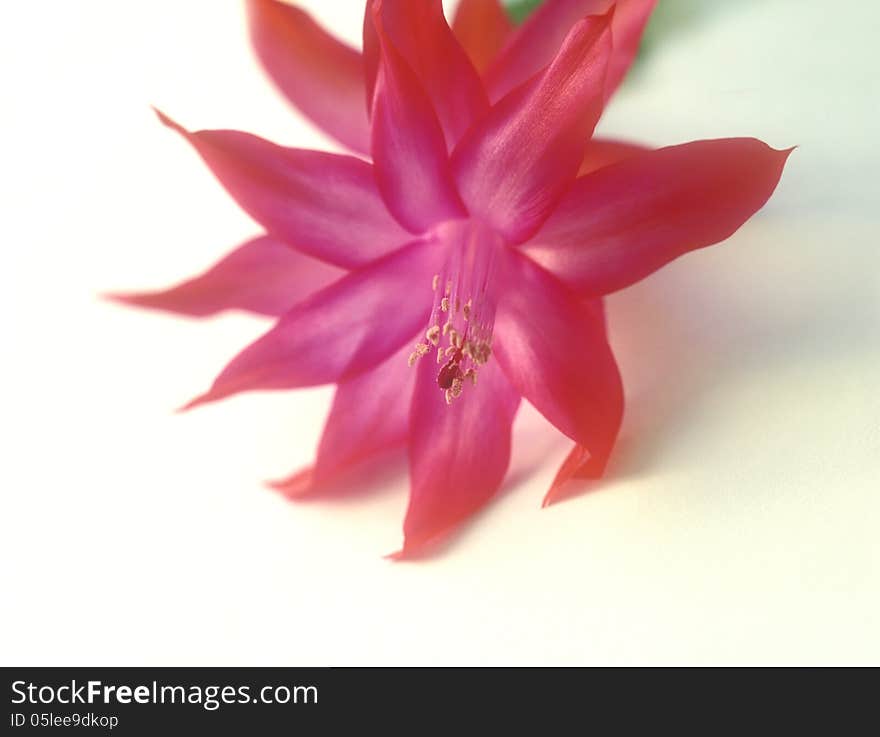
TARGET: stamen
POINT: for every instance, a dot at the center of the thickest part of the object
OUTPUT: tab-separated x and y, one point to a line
463	316
421	350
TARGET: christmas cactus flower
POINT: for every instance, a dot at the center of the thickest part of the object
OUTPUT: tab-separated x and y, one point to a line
458	264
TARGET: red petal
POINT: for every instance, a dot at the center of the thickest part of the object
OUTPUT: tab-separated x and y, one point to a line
621	223
369	416
323	204
536	42
418	30
459	453
514	166
603	152
341	331
481	27
320	75
578	464
263	276
409	150
554	351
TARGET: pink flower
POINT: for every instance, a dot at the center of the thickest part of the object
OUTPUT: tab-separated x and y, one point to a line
464	268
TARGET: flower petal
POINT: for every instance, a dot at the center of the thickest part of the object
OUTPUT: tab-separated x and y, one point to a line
418	30
409	150
322	204
262	275
554	351
458	453
481	27
514	166
339	332
320	75
536	42
369	416
603	152
578	464
621	223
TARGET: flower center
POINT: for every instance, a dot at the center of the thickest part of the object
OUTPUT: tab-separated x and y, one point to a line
463	315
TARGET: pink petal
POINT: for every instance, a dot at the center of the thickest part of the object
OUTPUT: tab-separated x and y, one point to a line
514	166
409	150
578	464
369	416
621	223
322	204
418	30
263	276
603	152
459	453
537	41
339	332
320	75
481	27
554	351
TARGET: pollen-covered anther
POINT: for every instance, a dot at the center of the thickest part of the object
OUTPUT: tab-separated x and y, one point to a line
421	350
435	282
444	304
433	335
466	310
471	374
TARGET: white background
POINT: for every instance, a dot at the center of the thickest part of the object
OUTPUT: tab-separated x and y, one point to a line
738	522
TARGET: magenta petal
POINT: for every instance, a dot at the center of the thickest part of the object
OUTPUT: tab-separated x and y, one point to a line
459	453
409	150
554	351
369	416
322	204
341	331
320	75
514	166
263	276
537	41
419	31
625	221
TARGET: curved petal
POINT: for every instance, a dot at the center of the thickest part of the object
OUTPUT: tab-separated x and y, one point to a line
554	351
320	75
603	152
621	223
409	150
418	30
514	166
458	453
537	41
578	464
262	275
369	416
341	331
323	204
481	27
